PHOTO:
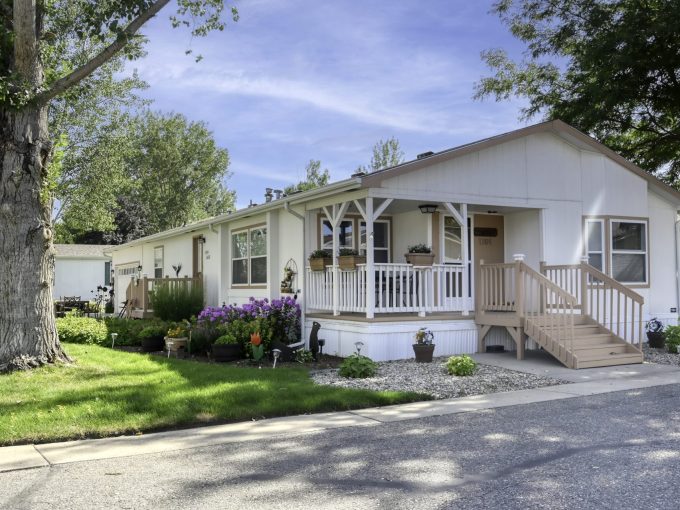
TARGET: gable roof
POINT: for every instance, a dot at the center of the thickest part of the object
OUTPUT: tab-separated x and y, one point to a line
82	251
556	127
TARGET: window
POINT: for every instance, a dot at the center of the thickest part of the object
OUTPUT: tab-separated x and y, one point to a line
249	257
158	262
381	240
346	234
618	247
453	248
595	243
107	274
629	251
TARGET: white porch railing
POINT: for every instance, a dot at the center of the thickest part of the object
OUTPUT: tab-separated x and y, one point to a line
398	288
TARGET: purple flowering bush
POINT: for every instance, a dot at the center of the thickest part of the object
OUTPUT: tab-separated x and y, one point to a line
280	318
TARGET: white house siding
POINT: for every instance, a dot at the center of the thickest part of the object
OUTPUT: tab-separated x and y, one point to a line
663	295
522	235
78	277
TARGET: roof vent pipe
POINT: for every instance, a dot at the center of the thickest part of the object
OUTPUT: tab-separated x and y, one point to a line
268	195
425	155
278	193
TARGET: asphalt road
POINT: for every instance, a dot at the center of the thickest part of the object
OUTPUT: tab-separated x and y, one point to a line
611	451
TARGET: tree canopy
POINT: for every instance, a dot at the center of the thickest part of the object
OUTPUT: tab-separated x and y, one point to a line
154	173
610	68
385	154
315	178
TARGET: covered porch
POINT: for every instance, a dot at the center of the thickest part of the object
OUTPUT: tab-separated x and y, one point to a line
384	284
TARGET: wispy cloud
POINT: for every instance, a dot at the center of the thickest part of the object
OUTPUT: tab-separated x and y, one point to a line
303	79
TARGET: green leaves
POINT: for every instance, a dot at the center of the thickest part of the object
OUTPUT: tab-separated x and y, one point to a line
610	68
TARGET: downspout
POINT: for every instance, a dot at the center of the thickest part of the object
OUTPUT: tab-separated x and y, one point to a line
303	311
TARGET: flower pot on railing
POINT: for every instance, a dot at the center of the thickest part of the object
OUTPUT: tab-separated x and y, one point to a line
319	260
420	259
349	262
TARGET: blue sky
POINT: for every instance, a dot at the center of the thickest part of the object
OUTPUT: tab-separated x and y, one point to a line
297	80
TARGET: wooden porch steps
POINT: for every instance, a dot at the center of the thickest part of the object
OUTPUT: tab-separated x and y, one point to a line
564	325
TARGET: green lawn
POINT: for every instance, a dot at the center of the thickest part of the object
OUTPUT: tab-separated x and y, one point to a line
106	393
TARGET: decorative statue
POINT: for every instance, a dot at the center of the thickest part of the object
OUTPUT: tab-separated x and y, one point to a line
314	339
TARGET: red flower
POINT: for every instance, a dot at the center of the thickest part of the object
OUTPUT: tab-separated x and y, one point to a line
255	339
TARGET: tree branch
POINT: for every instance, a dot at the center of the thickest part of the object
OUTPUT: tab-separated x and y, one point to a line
63	84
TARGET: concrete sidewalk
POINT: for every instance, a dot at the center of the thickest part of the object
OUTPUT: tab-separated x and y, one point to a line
586	382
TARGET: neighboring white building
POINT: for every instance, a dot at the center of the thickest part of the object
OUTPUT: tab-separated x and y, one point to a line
80	268
547	191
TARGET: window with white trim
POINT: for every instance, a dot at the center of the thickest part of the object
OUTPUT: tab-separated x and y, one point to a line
345	234
249	256
381	240
628	250
158	262
595	243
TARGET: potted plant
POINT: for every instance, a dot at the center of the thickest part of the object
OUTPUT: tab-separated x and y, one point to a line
176	338
423	348
226	348
348	259
287	282
655	334
420	255
320	259
152	338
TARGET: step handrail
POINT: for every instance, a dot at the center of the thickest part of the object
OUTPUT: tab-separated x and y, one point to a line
591	305
547	305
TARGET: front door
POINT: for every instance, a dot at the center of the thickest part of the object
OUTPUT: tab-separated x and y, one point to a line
488	241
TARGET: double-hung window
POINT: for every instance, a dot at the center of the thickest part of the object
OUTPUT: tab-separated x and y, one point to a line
158	262
249	256
629	251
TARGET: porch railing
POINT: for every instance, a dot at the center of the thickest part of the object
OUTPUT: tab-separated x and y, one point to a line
398	288
138	292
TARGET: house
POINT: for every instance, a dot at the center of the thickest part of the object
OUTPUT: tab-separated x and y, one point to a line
79	269
541	237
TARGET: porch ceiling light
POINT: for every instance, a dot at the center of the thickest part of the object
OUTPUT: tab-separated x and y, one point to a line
427	208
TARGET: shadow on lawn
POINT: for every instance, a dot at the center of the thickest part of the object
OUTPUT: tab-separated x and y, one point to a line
135	393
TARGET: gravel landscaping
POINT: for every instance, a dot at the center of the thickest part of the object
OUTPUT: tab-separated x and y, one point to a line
433	379
660	356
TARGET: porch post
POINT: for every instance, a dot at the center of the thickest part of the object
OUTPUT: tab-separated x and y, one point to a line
370	260
336	246
466	251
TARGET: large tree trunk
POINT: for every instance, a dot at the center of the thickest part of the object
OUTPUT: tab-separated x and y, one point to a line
28	335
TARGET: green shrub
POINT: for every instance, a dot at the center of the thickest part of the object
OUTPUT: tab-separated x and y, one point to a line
82	330
129	330
153	331
304	356
461	365
673	339
227	340
357	366
176	302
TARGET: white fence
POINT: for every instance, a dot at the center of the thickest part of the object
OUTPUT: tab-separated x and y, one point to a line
398	288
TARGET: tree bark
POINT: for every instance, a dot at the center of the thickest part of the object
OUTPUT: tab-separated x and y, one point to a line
28	334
